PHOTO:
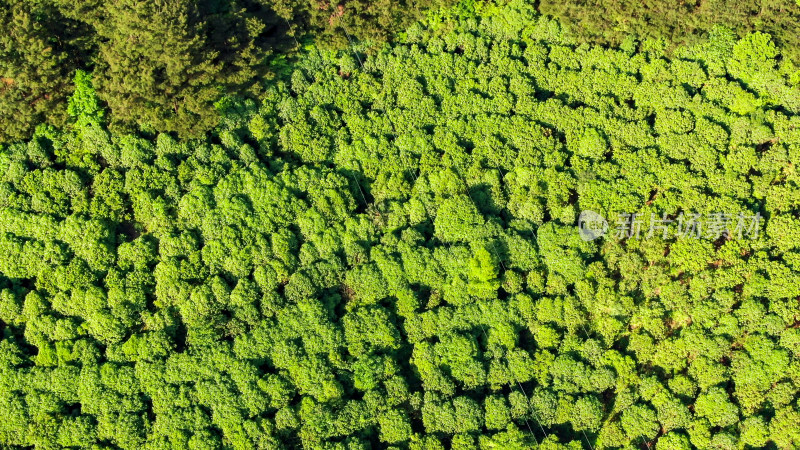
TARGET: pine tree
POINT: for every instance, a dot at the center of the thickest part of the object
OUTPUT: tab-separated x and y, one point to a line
163	64
153	67
38	55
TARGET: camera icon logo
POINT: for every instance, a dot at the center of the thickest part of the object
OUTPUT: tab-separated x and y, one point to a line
591	225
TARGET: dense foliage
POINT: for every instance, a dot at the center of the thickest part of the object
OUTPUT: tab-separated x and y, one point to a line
162	64
39	51
335	24
386	255
614	21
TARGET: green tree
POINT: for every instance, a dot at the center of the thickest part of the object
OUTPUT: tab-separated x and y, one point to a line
157	66
39	51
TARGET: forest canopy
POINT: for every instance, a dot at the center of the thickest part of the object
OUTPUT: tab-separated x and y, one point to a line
615	21
378	248
161	65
